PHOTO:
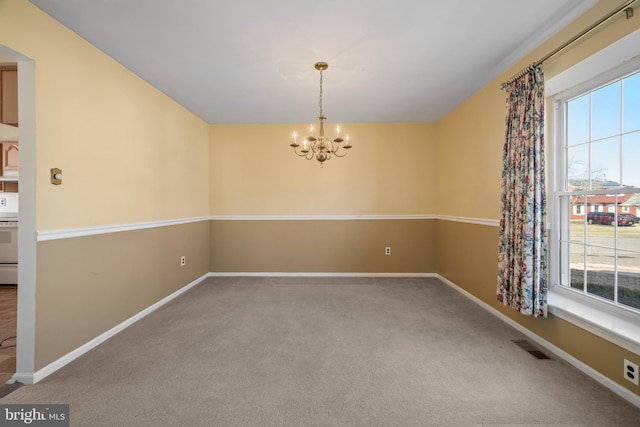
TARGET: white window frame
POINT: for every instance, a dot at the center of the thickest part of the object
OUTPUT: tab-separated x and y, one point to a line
611	322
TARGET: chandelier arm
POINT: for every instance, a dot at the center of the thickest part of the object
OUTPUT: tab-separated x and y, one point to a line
308	155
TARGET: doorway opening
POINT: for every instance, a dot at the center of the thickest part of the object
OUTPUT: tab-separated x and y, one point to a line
9	184
17	198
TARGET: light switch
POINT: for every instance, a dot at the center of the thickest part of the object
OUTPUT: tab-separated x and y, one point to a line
56	176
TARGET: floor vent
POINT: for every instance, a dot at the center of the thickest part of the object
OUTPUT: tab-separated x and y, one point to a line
530	348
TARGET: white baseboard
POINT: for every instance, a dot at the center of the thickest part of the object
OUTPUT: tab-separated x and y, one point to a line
28	378
586	369
283	274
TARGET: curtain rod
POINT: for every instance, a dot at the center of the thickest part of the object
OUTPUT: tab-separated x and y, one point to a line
625	7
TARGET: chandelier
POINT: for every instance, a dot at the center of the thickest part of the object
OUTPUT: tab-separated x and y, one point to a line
321	147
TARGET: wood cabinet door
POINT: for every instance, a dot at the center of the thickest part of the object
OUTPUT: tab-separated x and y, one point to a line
10	157
9	95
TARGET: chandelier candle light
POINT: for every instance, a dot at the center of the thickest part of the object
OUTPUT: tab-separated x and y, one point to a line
321	147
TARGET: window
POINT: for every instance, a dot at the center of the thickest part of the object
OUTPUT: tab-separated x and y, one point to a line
608	318
597	158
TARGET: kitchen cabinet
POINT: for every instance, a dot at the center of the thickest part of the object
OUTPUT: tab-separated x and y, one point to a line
10	158
9	164
8	186
9	95
9	149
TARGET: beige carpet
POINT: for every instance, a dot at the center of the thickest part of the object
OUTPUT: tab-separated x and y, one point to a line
323	352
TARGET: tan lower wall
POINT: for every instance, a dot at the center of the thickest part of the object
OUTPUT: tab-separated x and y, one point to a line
323	246
468	256
87	285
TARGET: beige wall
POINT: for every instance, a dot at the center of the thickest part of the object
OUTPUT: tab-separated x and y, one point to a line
330	246
88	285
128	154
389	171
127	151
469	153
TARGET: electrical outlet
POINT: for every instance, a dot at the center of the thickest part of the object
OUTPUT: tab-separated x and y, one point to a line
631	371
3	201
387	250
183	261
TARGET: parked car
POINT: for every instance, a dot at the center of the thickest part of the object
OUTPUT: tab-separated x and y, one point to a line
634	219
607	218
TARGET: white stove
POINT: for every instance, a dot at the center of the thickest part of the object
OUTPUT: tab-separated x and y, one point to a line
8	248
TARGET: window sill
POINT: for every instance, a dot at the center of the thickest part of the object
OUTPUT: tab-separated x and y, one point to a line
614	324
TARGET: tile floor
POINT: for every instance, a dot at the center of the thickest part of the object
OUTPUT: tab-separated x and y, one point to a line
8	316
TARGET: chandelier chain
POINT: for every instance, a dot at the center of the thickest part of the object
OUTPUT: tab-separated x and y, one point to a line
320	102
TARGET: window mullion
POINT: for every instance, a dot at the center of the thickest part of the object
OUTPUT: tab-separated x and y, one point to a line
621	131
615	252
590	167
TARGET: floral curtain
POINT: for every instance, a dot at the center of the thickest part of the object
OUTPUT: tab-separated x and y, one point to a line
522	251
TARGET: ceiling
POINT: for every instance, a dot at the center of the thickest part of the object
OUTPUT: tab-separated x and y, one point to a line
251	61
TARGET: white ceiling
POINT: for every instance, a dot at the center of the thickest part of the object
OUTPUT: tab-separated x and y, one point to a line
251	61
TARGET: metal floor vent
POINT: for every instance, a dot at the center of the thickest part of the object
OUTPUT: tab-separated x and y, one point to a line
530	348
